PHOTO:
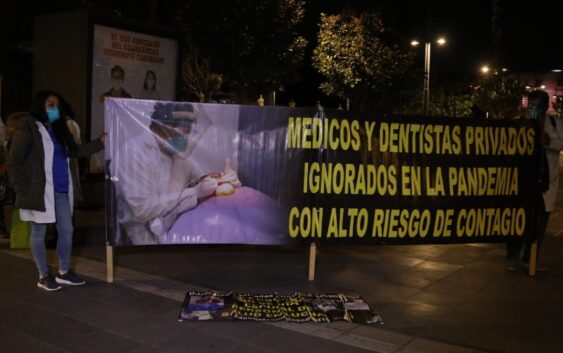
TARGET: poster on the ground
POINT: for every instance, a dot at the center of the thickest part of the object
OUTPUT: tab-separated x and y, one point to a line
194	173
128	64
298	307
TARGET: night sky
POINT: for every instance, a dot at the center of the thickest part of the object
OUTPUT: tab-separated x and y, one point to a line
531	32
531	35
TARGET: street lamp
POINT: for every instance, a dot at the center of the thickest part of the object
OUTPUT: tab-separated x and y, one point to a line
441	41
485	69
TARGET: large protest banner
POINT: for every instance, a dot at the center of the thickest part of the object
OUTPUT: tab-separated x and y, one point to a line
129	64
191	173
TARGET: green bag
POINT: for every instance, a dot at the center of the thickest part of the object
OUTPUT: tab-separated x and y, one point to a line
20	233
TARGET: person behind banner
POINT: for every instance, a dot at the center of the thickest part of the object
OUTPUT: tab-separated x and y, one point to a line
74	130
156	179
117	78
149	90
38	167
552	143
4	185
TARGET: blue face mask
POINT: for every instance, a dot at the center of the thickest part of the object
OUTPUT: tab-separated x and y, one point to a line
53	114
176	145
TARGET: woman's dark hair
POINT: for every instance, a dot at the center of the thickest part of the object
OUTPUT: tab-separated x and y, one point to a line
66	109
149	72
60	128
542	96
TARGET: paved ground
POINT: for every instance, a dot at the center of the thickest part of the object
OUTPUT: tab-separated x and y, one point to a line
449	298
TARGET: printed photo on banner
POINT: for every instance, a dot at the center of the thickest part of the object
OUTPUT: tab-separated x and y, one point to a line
174	180
128	64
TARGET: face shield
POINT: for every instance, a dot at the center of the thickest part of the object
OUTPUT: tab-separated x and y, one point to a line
175	140
180	129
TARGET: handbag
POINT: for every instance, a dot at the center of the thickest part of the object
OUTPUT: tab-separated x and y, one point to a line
20	232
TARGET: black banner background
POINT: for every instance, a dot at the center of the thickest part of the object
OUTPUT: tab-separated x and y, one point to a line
279	172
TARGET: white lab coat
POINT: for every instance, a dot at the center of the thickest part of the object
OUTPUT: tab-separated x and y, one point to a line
148	185
48	216
552	152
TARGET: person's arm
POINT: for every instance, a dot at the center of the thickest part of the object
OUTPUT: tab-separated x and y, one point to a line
74	131
88	148
192	170
20	146
141	190
134	167
147	206
163	223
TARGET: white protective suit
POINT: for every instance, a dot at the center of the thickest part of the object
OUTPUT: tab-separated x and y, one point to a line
552	152
151	185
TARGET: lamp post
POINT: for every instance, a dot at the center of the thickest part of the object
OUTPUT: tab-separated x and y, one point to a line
426	86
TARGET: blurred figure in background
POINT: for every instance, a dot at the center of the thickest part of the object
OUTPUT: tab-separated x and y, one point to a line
74	130
3	179
149	90
552	143
117	75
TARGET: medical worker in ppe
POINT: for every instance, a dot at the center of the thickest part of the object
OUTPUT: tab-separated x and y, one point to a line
155	179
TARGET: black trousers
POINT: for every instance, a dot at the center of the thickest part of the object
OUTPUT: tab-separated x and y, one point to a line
514	246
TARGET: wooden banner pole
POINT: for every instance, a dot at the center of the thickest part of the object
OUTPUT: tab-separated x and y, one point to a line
533	259
109	264
312	260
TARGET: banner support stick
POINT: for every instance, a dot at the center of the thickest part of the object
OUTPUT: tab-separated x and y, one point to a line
109	264
312	260
533	259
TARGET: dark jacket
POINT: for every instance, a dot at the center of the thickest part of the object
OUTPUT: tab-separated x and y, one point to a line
26	160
